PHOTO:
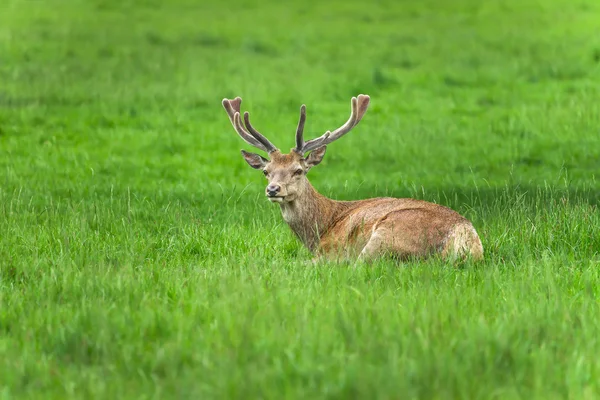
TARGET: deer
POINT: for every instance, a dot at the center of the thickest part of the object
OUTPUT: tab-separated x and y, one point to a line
360	230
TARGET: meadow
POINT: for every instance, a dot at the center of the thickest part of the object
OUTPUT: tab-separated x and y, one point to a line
139	258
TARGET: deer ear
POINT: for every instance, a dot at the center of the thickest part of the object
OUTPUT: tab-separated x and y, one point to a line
254	160
315	156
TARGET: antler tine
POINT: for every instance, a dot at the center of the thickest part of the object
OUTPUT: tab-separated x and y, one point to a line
300	130
363	104
359	108
232	107
263	140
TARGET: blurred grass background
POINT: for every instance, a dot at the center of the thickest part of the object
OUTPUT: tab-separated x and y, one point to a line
139	259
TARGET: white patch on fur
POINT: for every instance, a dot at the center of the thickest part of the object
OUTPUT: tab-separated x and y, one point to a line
288	214
368	248
460	240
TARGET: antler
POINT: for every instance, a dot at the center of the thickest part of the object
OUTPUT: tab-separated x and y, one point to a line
359	108
253	138
300	129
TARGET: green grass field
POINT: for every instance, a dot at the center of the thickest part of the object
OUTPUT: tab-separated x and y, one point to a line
139	258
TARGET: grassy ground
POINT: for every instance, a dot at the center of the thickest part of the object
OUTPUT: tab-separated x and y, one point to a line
139	259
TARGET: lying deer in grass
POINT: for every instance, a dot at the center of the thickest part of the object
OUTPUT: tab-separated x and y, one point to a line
367	229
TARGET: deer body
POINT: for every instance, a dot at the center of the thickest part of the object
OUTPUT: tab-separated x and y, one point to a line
364	229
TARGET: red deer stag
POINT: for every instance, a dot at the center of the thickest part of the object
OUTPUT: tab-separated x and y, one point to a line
363	229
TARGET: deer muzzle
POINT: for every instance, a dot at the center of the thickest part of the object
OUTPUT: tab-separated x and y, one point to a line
273	192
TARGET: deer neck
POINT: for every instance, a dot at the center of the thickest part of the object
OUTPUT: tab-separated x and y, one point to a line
310	215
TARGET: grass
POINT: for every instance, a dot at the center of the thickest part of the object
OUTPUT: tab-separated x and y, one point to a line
139	259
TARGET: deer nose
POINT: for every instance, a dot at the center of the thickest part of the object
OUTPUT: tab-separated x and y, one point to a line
273	189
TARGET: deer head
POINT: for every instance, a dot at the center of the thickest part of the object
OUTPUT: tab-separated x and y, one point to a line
286	173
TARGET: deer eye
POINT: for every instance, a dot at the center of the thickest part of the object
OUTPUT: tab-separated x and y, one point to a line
298	172
265	172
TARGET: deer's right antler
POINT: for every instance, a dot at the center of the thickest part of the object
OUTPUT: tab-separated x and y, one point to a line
359	108
249	134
